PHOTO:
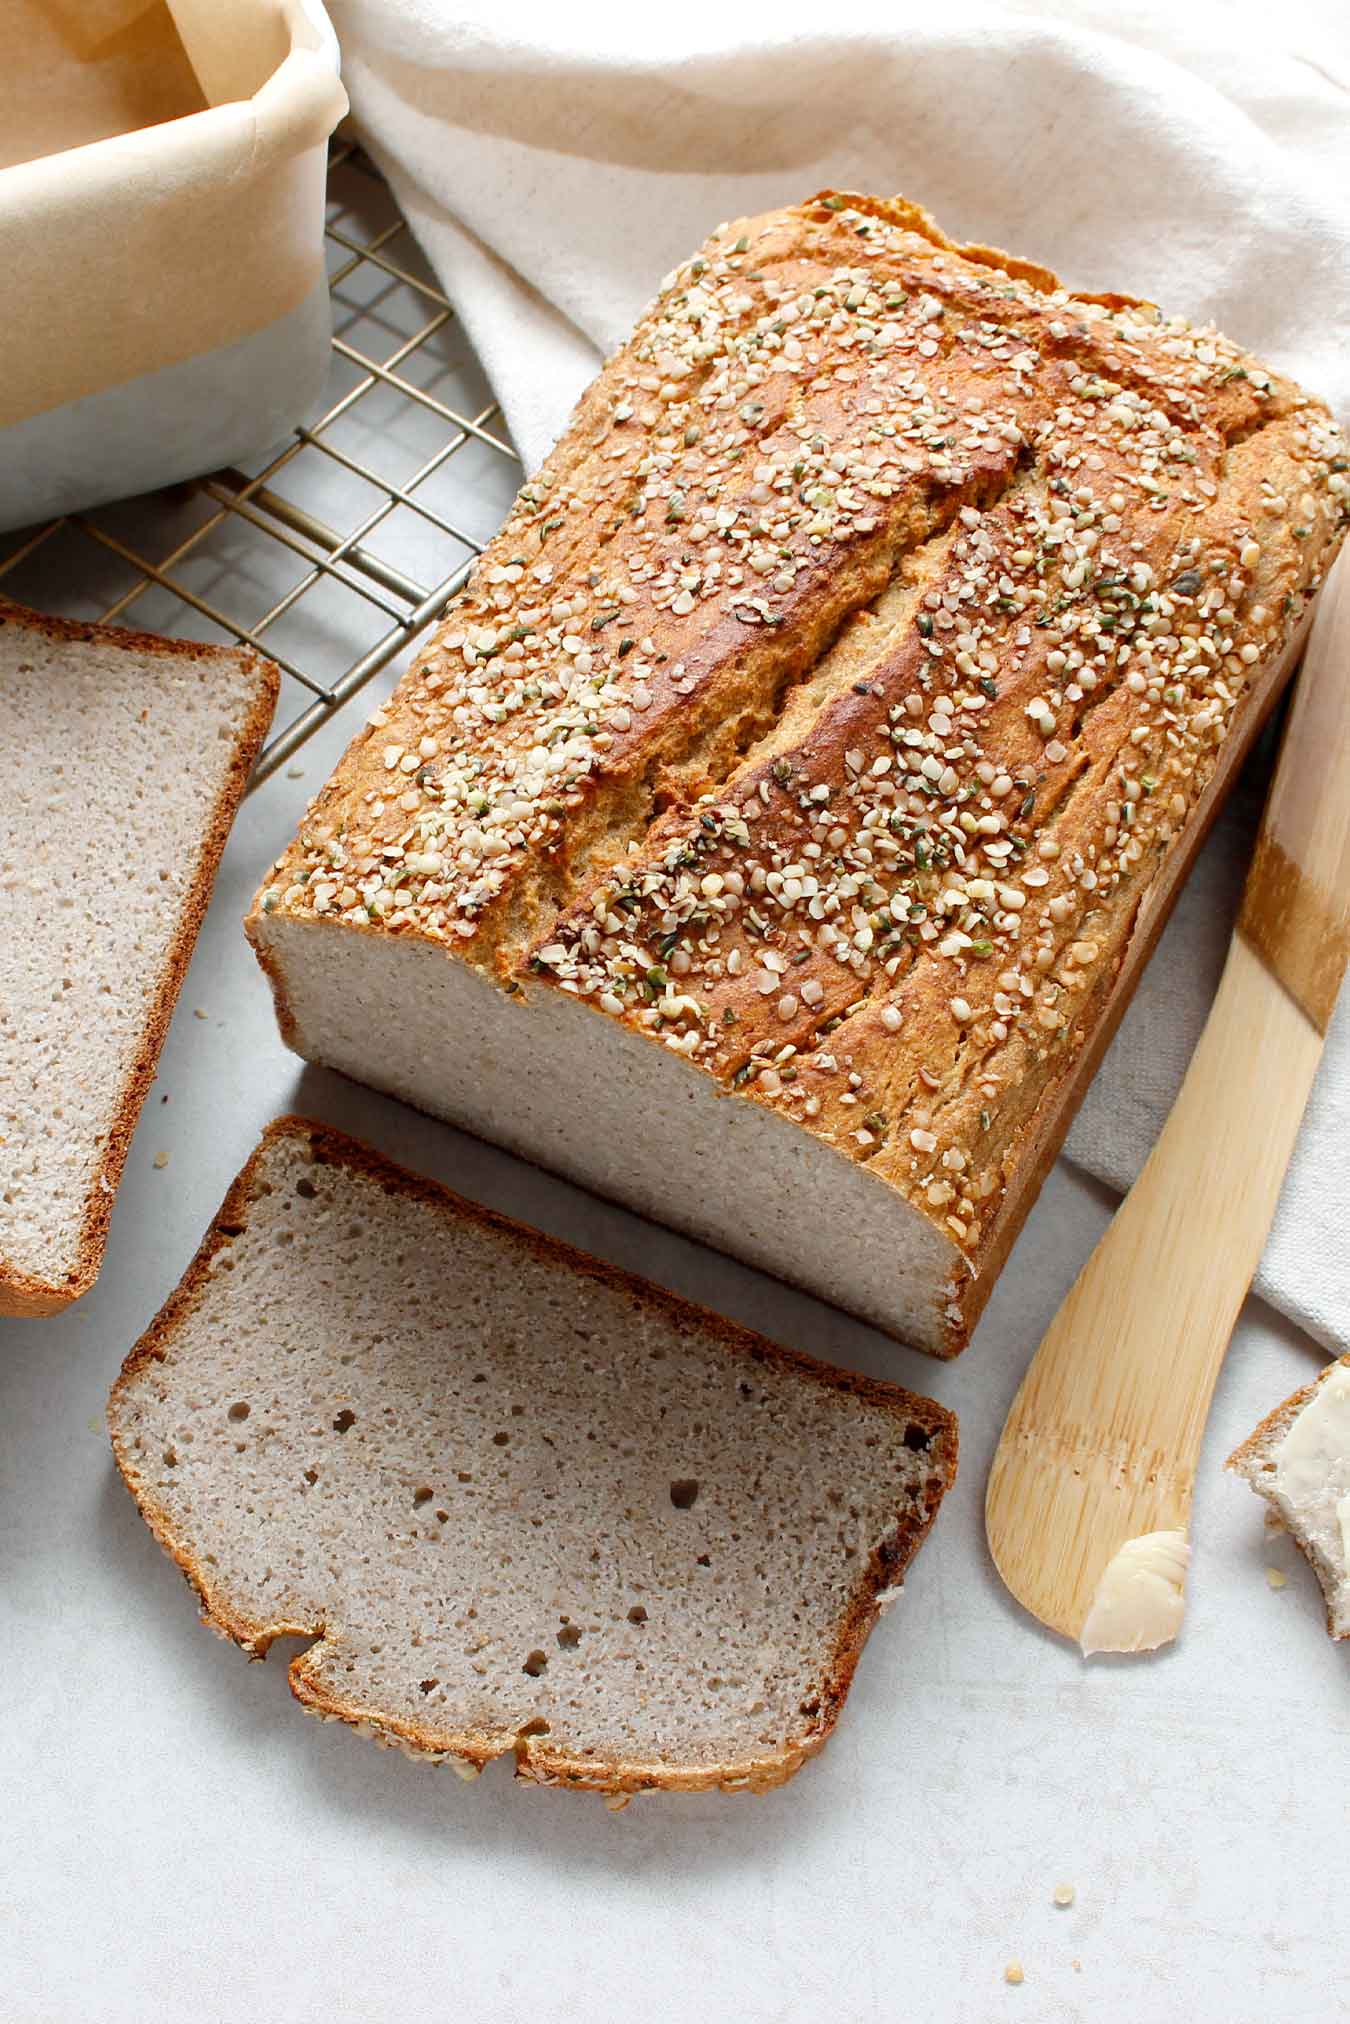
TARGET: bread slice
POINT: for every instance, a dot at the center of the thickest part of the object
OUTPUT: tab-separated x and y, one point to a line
1301	1466
122	760
775	830
523	1502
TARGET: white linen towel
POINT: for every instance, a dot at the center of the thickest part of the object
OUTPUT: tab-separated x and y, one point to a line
556	163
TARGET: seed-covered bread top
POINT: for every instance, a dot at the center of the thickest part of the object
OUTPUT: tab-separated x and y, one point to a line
834	693
521	1501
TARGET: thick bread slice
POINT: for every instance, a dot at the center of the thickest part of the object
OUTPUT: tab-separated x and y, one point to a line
1317	1515
776	828
522	1501
122	760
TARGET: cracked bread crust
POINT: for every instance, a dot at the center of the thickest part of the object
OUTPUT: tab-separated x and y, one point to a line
845	698
141	1418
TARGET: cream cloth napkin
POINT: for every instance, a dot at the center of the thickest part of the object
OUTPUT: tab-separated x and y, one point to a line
555	163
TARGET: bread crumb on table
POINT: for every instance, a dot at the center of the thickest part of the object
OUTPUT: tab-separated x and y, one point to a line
1276	1577
1064	1894
1013	1973
161	1159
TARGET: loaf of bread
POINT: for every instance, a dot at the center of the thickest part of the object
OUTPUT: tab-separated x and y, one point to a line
122	760
772	834
522	1502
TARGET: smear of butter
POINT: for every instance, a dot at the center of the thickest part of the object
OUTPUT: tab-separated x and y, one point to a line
1141	1596
1312	1468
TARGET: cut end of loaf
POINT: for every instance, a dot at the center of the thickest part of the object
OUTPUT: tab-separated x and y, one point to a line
565	1087
1298	1462
525	1505
123	760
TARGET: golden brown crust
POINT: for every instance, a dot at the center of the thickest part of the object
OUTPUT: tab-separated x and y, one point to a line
1249	1461
967	598
536	1760
1039	1146
914	218
22	1294
958	1105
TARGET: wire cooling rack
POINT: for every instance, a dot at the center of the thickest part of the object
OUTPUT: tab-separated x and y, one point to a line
335	553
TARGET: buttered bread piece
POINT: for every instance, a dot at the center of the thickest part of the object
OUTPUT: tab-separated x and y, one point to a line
1299	1461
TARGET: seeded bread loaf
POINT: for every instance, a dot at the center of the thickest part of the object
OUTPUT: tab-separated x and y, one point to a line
773	833
122	760
522	1502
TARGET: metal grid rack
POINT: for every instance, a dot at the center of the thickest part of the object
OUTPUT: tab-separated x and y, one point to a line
407	455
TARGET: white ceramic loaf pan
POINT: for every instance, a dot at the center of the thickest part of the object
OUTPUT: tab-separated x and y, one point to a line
162	173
